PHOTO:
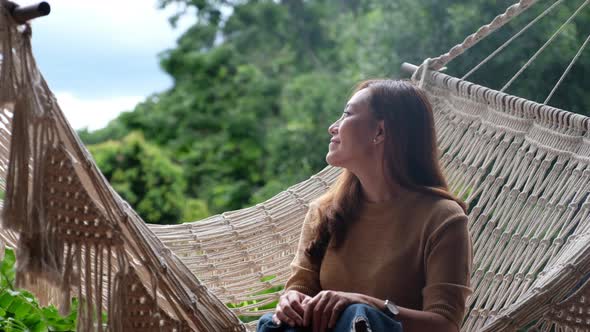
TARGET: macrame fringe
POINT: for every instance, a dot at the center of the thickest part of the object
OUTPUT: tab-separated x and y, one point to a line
87	271
46	292
17	214
121	287
23	210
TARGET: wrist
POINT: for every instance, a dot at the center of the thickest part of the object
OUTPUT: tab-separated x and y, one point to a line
368	300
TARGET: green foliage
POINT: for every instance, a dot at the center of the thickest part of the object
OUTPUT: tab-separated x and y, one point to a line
143	175
115	130
20	311
195	209
258	82
273	304
7	272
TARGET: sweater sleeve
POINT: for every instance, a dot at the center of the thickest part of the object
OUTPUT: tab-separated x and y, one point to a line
448	259
305	276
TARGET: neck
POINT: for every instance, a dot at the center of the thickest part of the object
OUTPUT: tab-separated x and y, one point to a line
376	186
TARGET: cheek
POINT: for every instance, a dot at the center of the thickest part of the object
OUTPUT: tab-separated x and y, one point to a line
355	135
354	146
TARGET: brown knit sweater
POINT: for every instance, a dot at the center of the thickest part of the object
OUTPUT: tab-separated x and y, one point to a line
414	250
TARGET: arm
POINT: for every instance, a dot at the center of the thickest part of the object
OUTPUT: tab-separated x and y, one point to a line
304	281
324	310
305	276
447	261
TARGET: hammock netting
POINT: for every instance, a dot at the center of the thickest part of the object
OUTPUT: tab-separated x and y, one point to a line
523	167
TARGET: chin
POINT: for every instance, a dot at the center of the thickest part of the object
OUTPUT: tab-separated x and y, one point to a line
332	161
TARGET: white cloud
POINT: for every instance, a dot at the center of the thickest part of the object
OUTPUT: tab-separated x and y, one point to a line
136	24
93	113
100	57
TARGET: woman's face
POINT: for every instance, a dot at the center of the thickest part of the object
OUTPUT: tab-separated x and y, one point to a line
352	144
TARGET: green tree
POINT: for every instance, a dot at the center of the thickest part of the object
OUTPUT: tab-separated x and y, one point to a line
256	83
144	176
213	122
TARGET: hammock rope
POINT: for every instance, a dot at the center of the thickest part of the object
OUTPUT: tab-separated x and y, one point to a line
567	70
542	48
481	33
514	37
422	71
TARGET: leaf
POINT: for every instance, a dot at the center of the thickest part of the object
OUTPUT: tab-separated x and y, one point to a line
20	308
6	299
40	326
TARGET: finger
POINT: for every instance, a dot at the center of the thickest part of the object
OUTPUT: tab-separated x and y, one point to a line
298	308
307	315
293	315
305	301
318	311
326	315
283	318
295	303
336	311
276	320
281	307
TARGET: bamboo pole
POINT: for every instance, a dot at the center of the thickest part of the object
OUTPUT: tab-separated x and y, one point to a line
408	68
23	14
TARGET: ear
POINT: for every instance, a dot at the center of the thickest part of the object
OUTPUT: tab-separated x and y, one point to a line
380	135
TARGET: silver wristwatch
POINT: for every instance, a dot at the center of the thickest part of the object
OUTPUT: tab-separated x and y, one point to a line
391	309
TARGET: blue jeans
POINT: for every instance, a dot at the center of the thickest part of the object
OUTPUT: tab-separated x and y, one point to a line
350	319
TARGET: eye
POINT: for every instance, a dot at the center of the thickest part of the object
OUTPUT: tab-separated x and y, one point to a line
347	113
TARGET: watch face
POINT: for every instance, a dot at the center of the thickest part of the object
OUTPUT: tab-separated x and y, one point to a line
392	308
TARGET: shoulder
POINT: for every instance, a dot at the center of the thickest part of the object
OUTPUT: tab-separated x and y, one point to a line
435	205
443	208
442	215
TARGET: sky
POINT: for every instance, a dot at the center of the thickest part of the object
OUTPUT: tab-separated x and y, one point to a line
100	58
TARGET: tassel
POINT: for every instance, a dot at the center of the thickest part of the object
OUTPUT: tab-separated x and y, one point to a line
19	213
66	288
16	214
121	284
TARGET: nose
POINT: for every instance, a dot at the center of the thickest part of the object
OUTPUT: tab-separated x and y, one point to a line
333	129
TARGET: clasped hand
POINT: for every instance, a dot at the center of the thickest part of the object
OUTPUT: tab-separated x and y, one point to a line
323	310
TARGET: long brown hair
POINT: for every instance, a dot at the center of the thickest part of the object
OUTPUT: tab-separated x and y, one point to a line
410	160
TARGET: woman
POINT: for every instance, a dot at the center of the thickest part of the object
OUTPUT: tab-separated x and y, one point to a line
387	247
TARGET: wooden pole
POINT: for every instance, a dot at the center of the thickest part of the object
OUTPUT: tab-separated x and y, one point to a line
408	68
23	14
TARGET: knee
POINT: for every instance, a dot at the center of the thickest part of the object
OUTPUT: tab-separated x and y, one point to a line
362	317
354	318
265	320
357	308
266	317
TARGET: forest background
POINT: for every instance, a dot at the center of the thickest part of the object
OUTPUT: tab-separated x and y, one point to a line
257	83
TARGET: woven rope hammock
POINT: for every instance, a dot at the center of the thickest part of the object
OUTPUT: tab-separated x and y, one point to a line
523	167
